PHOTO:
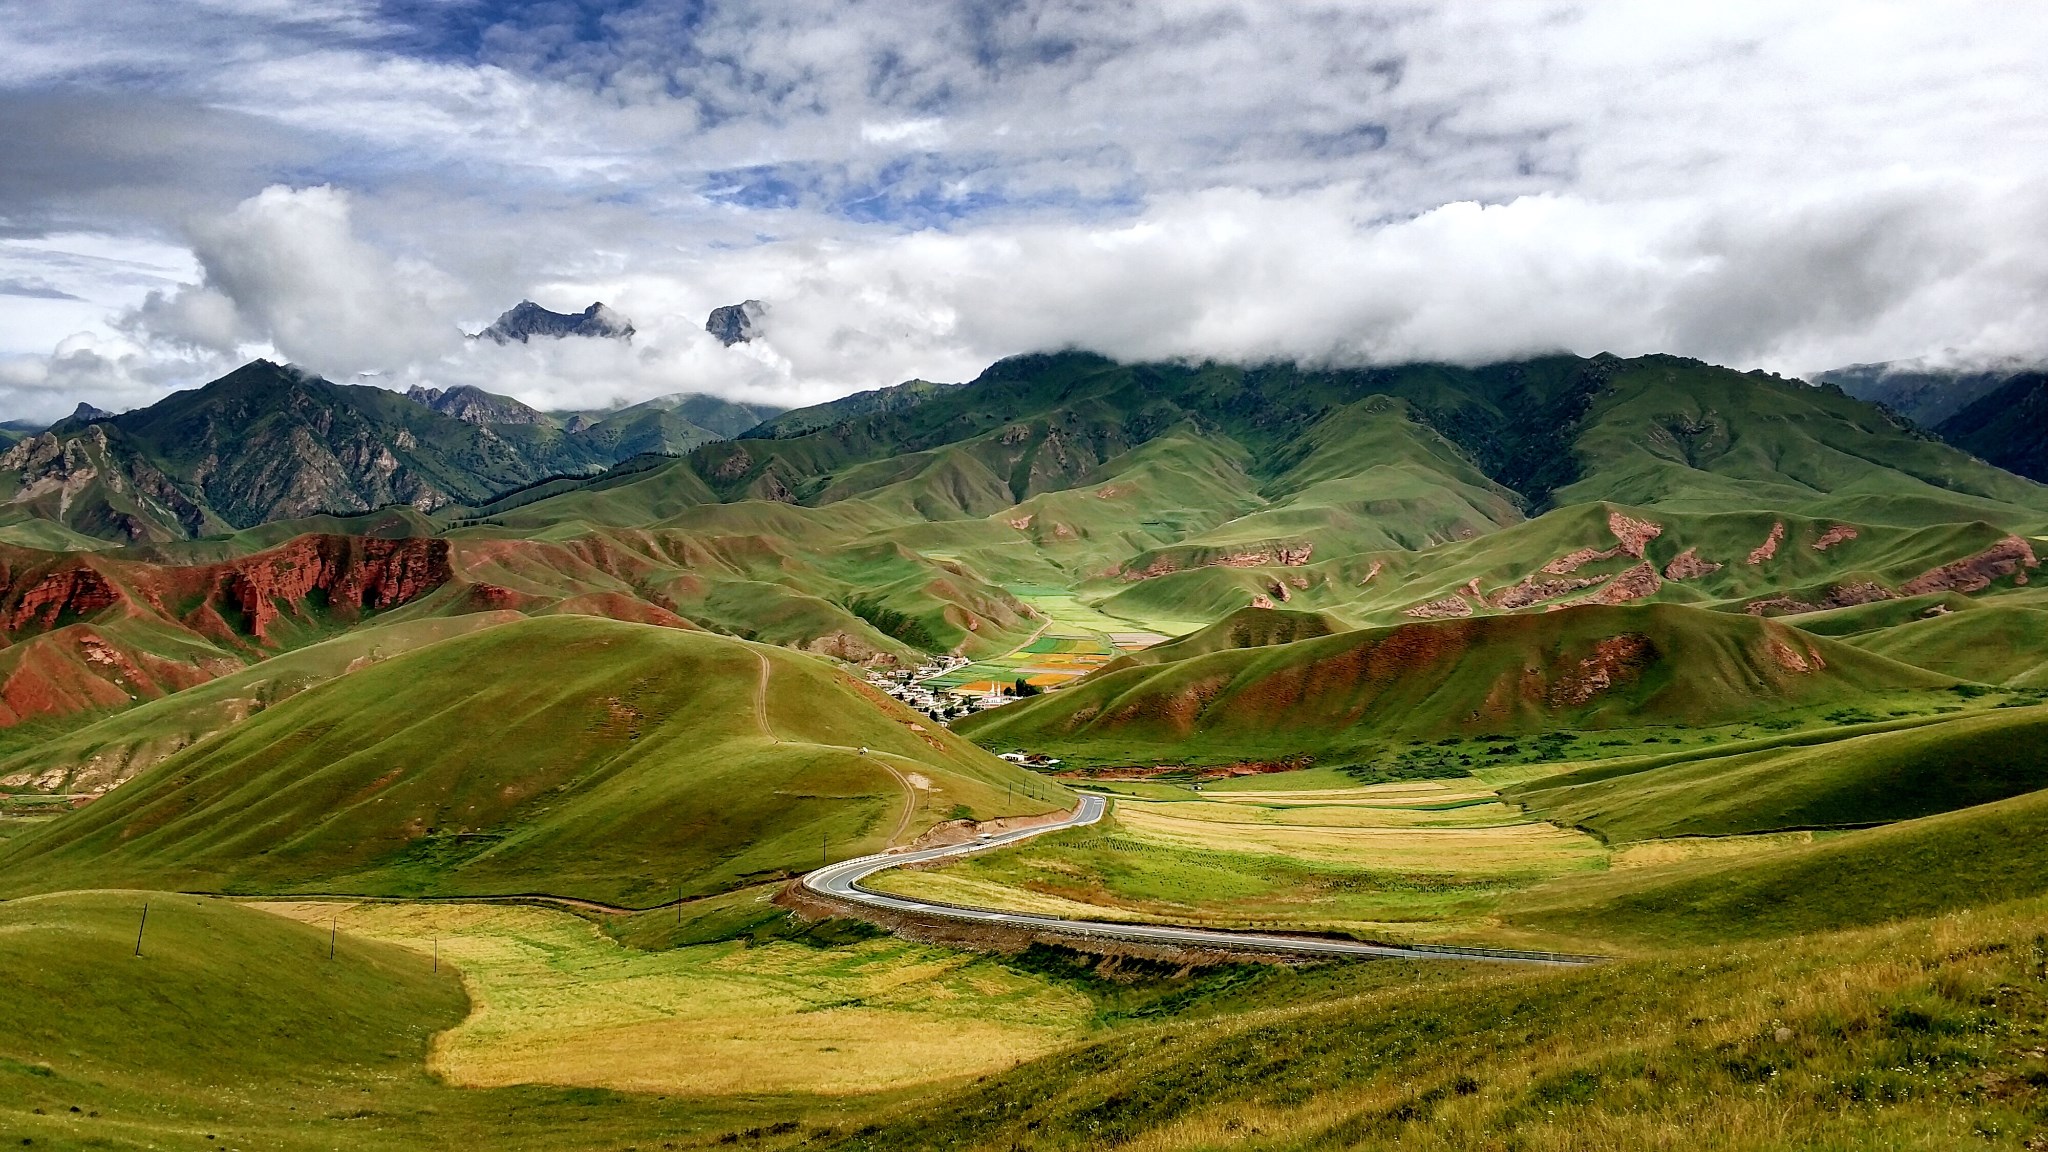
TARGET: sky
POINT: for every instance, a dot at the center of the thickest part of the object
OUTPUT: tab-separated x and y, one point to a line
918	189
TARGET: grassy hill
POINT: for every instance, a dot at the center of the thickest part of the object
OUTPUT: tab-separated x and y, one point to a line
1874	779
1883	1037
106	751
573	756
1953	860
1340	697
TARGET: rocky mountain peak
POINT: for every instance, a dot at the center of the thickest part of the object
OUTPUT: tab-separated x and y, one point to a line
473	405
736	323
526	320
87	413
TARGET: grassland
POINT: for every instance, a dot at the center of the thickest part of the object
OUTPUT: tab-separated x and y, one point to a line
235	1029
93	754
1926	1034
1411	861
555	1001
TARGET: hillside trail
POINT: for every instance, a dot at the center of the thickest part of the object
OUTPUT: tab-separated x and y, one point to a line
761	700
761	722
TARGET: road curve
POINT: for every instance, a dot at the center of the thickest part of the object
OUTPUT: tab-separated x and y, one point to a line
842	881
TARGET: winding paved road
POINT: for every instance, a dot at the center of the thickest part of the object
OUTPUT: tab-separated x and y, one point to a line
842	881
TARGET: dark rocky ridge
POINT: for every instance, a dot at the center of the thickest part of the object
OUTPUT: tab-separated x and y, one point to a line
525	320
735	323
473	405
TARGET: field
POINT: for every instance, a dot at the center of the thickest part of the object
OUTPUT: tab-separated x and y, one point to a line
555	1001
1924	1034
1408	861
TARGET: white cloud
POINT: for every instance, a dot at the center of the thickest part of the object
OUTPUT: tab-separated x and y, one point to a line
921	189
285	268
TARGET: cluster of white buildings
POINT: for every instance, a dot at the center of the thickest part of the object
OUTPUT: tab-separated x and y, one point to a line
911	686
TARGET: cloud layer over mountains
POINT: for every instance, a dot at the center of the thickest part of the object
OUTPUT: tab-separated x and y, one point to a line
918	189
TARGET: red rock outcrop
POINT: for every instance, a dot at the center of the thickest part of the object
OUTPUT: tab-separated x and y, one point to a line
1687	565
1444	609
72	592
1635	535
1769	547
352	573
2011	556
1794	658
1270	556
1840	596
1571	562
1615	660
1836	534
1634	584
1537	589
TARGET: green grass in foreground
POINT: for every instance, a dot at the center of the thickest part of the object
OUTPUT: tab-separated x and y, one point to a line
235	1030
1914	868
1927	1035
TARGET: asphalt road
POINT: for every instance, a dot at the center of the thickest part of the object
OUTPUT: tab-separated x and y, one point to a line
842	881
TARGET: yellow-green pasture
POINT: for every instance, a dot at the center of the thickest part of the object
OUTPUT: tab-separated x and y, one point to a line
1416	860
555	1001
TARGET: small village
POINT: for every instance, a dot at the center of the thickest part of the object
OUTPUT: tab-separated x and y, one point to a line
912	686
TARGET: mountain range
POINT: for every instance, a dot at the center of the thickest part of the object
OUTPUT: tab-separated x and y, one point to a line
269	442
1996	414
928	518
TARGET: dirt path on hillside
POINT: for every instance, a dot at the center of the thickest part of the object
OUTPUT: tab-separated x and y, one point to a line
761	700
909	790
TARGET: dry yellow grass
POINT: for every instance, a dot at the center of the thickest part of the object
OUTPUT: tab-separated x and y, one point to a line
1514	849
1477	815
1653	852
1405	793
557	1002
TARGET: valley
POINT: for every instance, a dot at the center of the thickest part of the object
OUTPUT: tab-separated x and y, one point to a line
1731	682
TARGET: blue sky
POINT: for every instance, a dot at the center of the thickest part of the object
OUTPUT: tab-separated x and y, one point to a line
916	189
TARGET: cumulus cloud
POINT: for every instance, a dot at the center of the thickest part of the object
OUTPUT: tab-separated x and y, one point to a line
285	268
921	188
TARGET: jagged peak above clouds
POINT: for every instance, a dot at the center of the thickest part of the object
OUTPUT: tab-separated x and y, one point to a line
525	320
736	323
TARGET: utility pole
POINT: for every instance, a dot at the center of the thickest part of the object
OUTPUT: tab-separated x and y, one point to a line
333	929
824	851
140	927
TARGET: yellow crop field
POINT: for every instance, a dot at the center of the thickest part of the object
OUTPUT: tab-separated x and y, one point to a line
1473	815
557	1002
1518	849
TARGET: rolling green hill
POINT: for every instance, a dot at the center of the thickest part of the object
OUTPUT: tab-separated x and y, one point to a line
1875	779
1953	860
106	751
1338	697
580	757
227	1013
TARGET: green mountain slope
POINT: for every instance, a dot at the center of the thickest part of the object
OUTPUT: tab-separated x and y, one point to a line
578	757
2007	426
1339	697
